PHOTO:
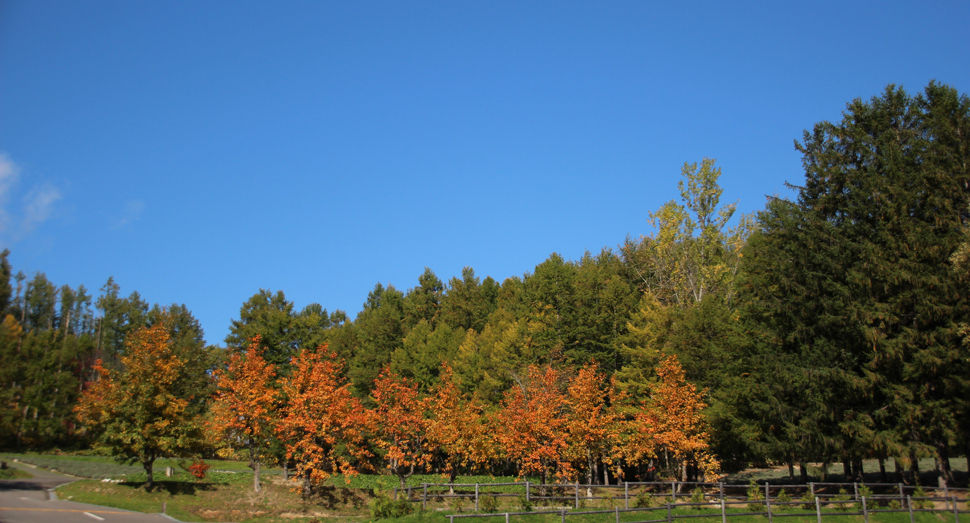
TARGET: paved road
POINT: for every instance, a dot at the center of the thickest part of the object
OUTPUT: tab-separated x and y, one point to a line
28	501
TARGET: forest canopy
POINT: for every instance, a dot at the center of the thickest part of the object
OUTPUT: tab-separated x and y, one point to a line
831	327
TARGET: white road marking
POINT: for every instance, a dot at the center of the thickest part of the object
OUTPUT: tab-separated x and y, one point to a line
93	516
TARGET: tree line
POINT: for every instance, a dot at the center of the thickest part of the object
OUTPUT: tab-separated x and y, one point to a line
829	327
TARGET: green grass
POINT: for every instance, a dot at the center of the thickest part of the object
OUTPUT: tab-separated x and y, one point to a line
98	467
715	517
14	473
870	469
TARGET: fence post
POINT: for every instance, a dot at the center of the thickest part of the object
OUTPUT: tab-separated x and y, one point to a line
451	519
767	492
577	494
476	497
618	514
424	497
563	515
818	510
901	500
626	493
855	490
409	492
723	511
673	491
395	493
865	510
668	513
910	503
956	512
720	488
767	502
811	488
527	491
506	517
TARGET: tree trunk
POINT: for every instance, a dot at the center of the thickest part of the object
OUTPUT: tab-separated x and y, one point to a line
857	470
897	470
943	472
803	470
148	464
791	471
882	471
846	470
913	468
256	485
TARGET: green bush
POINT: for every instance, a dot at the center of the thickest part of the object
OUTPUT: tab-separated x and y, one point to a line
919	503
697	496
755	497
783	498
384	507
525	504
643	500
488	504
841	499
808	501
894	504
866	492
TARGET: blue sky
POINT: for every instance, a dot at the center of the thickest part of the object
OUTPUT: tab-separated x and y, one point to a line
200	151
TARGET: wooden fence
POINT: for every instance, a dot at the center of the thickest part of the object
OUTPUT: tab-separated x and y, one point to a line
576	494
779	510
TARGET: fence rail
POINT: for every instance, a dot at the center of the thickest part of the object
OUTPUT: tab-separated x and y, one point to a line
579	493
670	517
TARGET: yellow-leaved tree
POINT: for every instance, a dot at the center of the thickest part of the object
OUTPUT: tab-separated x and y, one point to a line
141	413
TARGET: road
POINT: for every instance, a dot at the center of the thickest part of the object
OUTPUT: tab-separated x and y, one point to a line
28	501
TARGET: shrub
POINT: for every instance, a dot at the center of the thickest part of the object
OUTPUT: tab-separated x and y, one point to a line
841	499
697	496
609	500
525	504
488	503
783	498
894	504
755	497
808	501
457	504
643	500
866	492
919	503
384	507
198	469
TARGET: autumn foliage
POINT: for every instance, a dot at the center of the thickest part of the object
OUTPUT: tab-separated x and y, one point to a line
322	425
533	426
458	426
245	403
401	427
671	422
140	413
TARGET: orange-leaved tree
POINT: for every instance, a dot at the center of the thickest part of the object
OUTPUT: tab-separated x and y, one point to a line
593	422
532	424
141	413
322	425
245	403
458	426
674	414
400	425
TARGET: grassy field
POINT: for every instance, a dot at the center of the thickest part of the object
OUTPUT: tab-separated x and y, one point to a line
227	494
